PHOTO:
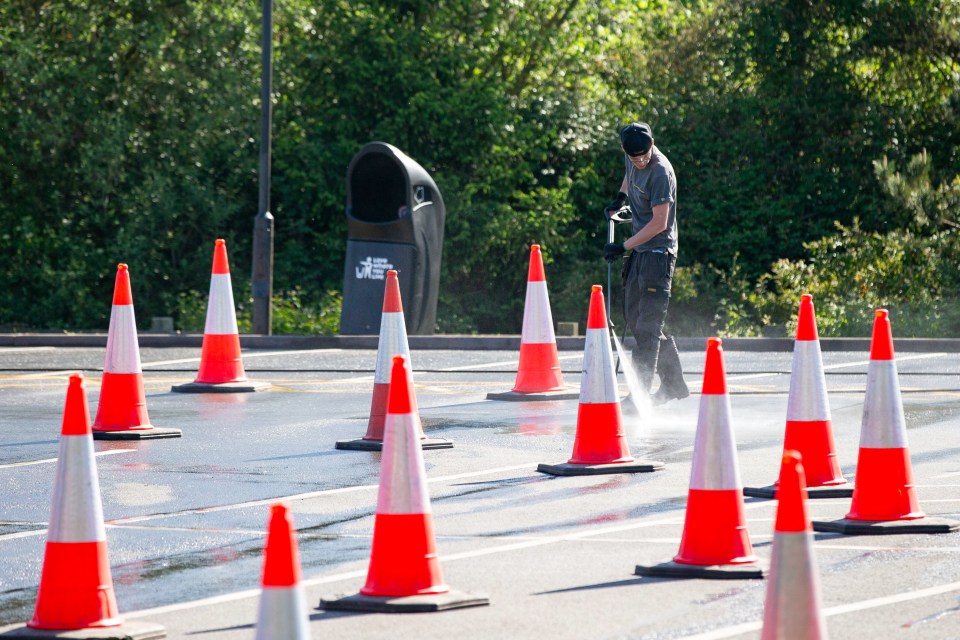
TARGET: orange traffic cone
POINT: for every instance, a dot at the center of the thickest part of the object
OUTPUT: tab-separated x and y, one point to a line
809	428
791	610
600	446
538	374
283	606
122	410
884	499
392	342
404	573
76	588
221	366
715	542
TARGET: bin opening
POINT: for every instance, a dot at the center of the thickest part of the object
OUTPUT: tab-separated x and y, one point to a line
378	189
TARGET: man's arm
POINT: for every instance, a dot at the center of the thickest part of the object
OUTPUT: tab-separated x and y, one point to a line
657	224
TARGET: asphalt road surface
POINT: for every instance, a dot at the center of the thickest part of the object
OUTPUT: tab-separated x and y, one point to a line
186	517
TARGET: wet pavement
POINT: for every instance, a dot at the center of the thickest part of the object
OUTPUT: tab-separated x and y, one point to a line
186	517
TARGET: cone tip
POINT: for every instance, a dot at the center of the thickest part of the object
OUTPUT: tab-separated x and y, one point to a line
535	271
76	413
806	320
791	495
121	267
281	564
881	344
279	510
220	242
400	396
714	372
597	314
391	293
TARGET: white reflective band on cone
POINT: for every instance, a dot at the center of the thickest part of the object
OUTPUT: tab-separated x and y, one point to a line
393	342
714	452
598	384
403	475
221	314
283	614
883	425
807	400
792	605
537	319
77	513
123	349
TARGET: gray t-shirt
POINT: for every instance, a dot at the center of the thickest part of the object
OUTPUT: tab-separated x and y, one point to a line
648	187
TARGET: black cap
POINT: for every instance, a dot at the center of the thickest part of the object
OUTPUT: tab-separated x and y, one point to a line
636	138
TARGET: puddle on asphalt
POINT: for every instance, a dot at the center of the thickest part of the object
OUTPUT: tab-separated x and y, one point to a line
16	605
7	528
923	415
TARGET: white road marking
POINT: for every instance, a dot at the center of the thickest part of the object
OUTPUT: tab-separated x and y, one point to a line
48	460
504	363
246	354
872	603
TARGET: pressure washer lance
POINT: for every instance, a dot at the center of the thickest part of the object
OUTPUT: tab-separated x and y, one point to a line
617	217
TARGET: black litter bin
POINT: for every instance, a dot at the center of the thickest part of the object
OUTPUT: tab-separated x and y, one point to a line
395	218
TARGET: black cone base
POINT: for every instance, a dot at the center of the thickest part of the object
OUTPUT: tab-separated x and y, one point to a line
568	469
247	386
515	396
360	444
404	604
886	527
749	571
126	631
770	492
154	433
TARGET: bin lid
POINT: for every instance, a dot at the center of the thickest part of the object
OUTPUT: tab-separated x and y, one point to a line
413	174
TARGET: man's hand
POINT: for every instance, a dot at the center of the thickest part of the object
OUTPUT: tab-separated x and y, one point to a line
613	250
615	206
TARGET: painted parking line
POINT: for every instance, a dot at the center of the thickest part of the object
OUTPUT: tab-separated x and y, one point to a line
245	354
119	522
863	605
49	460
515	545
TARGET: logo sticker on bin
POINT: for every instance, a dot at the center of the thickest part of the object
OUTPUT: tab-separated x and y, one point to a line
373	269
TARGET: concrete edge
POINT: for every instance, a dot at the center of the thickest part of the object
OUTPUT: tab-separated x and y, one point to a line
457	342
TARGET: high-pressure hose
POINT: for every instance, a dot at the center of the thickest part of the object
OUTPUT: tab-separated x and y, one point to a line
620	216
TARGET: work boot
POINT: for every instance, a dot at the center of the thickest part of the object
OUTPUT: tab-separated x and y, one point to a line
672	384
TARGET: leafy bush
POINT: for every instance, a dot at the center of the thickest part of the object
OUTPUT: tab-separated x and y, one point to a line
292	314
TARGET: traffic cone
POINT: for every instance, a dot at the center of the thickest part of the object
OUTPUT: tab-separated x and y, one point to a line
600	445
221	366
392	342
538	374
792	608
122	410
76	588
283	606
404	573
715	542
884	499
809	428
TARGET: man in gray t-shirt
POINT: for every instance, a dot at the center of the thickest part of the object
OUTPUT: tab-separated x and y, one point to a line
650	185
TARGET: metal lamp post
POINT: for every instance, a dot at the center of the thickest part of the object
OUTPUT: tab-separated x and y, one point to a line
262	280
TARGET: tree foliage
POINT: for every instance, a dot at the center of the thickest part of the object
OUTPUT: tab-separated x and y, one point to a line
129	133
